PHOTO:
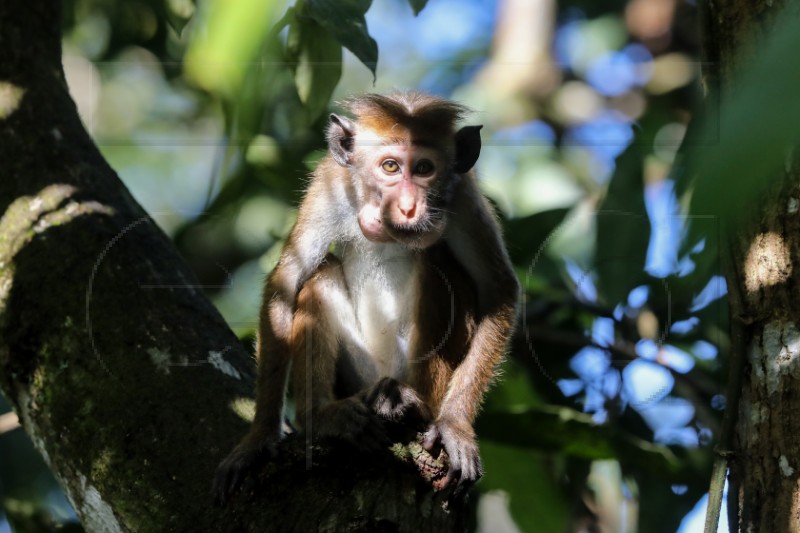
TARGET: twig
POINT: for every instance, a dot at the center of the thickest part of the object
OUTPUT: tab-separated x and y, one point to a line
724	447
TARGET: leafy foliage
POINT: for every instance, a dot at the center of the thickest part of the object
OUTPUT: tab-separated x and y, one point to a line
319	63
623	229
417	5
344	19
752	133
220	56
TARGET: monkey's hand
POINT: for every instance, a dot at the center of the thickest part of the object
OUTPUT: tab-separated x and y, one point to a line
457	438
353	421
246	456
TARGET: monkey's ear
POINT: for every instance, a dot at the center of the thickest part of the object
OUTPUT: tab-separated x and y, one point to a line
340	139
468	148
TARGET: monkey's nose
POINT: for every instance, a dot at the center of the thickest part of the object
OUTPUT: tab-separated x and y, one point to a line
408	210
407	206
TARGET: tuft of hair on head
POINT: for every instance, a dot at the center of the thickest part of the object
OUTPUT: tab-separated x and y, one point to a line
423	115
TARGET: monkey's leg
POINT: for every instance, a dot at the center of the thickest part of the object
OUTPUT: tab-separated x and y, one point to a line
324	329
402	409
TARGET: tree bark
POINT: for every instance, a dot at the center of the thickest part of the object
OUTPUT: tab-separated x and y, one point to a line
763	283
123	374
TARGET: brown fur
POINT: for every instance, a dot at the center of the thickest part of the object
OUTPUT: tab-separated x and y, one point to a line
413	115
445	323
461	320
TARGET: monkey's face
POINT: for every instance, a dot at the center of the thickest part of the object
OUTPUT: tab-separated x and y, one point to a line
403	202
404	173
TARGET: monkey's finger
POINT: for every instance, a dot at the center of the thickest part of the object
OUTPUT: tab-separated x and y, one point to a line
453	474
432	441
468	477
470	471
233	483
463	486
218	493
224	485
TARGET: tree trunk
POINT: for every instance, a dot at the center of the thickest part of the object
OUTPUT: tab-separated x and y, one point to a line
123	374
765	309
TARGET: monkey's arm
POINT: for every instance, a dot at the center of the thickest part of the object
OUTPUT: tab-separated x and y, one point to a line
474	237
303	252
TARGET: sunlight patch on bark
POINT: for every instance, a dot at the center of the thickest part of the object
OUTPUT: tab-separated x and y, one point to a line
786	469
781	347
219	362
28	216
16	224
162	359
753	416
10	97
95	514
768	262
24	403
245	408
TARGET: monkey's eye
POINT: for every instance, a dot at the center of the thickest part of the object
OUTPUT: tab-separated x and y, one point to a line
390	166
423	168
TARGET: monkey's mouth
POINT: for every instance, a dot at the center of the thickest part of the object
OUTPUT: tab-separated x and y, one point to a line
420	234
415	228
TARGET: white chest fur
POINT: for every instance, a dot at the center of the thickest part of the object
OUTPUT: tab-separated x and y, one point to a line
383	293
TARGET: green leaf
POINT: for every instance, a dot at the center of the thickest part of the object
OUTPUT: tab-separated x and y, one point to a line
226	42
527	236
755	131
319	64
178	13
344	19
417	5
623	229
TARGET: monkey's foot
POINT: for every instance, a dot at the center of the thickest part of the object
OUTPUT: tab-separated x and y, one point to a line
352	421
458	440
238	464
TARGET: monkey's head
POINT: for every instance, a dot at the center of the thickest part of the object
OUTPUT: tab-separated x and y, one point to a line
404	159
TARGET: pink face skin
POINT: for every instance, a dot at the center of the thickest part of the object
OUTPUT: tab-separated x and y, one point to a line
369	219
403	174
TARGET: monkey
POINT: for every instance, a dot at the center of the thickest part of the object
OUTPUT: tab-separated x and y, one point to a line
394	298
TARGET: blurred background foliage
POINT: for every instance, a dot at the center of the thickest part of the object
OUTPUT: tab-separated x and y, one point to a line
213	115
